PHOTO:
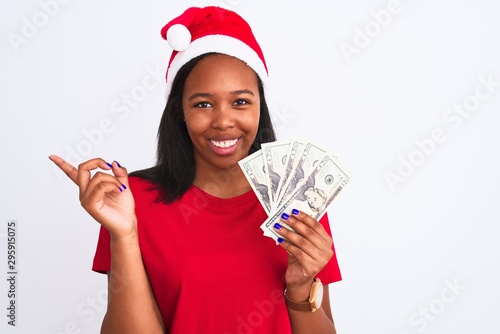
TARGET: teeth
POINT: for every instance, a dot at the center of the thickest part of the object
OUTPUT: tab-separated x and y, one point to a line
224	143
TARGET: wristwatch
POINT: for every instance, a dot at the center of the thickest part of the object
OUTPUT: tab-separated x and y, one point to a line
314	301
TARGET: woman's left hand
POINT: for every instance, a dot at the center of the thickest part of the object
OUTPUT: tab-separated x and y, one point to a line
309	250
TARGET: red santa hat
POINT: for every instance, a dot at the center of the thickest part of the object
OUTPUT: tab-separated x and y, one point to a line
211	29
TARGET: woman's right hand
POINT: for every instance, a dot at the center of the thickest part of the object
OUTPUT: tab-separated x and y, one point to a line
107	198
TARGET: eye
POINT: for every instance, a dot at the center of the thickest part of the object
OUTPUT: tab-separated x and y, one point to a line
240	102
203	105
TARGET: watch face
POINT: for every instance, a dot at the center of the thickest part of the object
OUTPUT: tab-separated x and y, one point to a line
319	296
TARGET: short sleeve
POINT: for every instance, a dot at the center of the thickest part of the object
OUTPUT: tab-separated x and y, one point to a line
102	257
331	272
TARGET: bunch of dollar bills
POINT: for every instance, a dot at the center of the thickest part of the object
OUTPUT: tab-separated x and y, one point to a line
293	174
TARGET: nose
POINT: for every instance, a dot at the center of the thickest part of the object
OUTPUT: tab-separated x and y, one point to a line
223	117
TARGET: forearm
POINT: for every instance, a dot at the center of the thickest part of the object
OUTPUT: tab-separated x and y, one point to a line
319	321
311	322
131	304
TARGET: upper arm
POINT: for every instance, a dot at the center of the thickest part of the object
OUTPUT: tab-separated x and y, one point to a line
155	305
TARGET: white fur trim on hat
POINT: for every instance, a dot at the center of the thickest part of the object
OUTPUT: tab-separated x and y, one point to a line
218	44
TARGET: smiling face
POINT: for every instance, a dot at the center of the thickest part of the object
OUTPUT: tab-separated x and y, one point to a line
221	106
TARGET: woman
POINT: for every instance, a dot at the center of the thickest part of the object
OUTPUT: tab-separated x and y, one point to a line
180	242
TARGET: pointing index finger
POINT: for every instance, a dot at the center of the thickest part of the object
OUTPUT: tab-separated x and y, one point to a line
66	167
80	179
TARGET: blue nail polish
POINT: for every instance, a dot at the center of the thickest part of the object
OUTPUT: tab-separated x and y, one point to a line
109	165
295	211
118	164
285	216
124	186
120	189
280	240
277	226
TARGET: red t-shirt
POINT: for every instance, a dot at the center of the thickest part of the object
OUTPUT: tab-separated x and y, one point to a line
210	267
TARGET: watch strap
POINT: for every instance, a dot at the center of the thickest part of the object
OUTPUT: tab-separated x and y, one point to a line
307	306
299	306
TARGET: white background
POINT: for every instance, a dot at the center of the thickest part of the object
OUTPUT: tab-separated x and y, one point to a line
401	245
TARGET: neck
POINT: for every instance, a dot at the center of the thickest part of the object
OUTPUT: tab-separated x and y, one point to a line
223	183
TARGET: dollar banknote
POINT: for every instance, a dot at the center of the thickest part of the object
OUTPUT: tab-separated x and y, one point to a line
312	195
254	170
310	156
292	159
275	155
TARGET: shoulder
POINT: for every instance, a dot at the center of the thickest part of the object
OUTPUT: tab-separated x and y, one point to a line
142	188
139	183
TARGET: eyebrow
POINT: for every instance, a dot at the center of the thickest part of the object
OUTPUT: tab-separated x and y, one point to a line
242	91
195	95
234	92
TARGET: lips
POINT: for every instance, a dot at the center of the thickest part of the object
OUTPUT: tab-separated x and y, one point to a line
224	143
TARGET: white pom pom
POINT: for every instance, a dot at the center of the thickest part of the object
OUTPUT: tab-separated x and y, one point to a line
178	37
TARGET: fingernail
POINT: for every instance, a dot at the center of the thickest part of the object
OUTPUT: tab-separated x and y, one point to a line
120	189
285	216
124	186
109	165
118	164
277	226
295	211
280	240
